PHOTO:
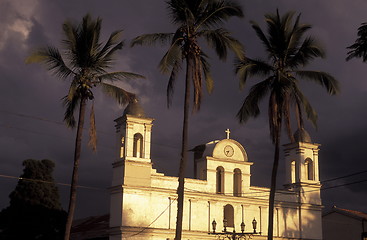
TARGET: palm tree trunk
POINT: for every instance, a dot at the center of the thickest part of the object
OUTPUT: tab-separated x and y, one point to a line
74	179
183	161
274	181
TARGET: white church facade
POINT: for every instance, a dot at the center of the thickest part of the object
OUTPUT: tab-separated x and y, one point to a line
143	202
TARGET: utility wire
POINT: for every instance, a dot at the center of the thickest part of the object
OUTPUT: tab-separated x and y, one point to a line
50	182
60	123
345	176
98	144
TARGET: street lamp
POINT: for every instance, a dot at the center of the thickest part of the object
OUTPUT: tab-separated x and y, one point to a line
242	226
214	224
234	235
254	224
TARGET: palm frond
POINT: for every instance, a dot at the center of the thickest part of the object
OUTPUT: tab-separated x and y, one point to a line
251	67
294	37
302	101
71	34
73	89
114	39
114	76
278	30
324	79
220	39
197	82
173	55
87	42
259	32
172	80
359	48
70	107
209	81
287	115
102	63
178	10
216	12
51	57
275	113
119	94
309	50
250	106
286	20
150	39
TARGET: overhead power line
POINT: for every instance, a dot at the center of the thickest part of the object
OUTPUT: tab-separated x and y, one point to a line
345	176
62	124
50	182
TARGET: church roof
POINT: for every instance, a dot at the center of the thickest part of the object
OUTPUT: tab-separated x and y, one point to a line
301	135
94	227
348	212
135	109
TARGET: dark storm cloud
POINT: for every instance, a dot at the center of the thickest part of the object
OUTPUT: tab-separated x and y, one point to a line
31	91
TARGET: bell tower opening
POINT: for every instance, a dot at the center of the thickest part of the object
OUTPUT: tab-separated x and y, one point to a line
293	171
138	146
220	180
309	168
237	182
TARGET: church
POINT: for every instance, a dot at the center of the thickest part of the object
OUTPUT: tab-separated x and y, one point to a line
220	198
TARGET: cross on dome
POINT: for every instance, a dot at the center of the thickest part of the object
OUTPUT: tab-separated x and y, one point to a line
228	132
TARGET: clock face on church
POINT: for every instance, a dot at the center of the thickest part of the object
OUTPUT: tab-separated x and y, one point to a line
228	151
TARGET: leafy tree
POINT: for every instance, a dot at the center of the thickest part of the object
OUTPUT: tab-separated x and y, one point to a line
35	211
195	19
288	51
359	48
85	61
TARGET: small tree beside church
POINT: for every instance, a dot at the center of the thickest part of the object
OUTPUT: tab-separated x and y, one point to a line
35	211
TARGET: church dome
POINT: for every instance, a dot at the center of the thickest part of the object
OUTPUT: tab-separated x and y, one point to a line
221	149
134	109
301	135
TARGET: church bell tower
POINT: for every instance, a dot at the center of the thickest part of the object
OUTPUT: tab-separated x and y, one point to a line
302	177
132	166
302	167
133	140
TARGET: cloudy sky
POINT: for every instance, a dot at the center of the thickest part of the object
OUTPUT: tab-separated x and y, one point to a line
31	112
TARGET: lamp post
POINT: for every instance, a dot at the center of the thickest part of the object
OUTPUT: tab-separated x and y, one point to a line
234	235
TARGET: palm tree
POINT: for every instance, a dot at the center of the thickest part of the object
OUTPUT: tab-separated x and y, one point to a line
84	60
288	51
359	48
194	19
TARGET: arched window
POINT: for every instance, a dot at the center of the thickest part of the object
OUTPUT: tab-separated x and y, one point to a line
237	182
220	180
122	148
138	145
229	215
309	169
293	171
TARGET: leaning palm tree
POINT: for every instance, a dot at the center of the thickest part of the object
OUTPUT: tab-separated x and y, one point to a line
359	48
194	19
85	61
288	51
